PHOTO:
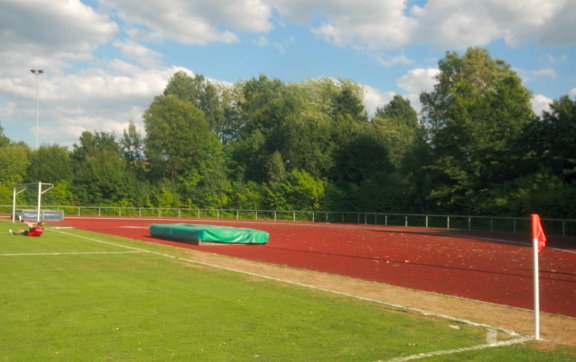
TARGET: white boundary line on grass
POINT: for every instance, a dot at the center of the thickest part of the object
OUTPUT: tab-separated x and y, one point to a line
461	350
77	253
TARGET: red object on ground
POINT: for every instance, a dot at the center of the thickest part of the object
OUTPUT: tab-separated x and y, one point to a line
441	261
36	231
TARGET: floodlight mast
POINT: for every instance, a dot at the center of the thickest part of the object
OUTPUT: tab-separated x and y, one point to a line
37	73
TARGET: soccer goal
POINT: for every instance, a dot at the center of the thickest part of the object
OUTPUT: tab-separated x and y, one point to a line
34	214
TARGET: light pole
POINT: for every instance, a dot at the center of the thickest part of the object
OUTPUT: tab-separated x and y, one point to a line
37	73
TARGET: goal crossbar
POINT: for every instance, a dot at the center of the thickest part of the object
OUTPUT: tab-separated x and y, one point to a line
43	187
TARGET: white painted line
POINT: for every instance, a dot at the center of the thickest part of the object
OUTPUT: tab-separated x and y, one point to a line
76	253
491	336
461	350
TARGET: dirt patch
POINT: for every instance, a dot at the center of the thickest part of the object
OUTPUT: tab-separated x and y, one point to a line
554	329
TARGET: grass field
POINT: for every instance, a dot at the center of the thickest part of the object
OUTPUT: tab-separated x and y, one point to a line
71	295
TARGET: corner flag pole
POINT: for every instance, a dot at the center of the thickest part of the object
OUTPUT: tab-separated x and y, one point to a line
538	243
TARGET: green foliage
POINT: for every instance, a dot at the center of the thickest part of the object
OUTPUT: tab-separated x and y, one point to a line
476	113
299	191
14	161
100	170
177	137
399	109
247	196
201	93
50	164
4	140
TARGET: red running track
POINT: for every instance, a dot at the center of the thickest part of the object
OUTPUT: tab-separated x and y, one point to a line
431	260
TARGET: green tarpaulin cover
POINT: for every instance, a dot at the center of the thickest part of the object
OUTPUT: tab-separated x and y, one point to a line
208	233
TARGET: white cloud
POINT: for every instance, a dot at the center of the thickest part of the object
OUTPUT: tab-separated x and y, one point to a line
94	99
360	23
540	104
419	80
572	92
193	22
446	23
461	23
50	33
416	81
374	98
530	75
139	53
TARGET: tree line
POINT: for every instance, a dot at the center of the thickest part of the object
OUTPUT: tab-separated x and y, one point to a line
476	148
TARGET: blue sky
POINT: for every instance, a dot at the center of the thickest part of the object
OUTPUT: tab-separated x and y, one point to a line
105	60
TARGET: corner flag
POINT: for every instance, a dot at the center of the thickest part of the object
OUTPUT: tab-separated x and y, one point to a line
538	232
538	243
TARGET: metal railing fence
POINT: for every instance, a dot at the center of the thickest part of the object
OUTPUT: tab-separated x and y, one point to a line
515	225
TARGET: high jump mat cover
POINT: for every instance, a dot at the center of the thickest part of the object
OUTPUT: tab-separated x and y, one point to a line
198	234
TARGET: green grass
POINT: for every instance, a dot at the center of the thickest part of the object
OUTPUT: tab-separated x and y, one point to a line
79	296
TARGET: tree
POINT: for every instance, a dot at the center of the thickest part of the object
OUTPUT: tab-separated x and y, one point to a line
50	164
4	141
299	191
398	109
100	171
397	125
306	141
476	113
203	94
132	144
177	137
14	161
348	102
264	105
558	133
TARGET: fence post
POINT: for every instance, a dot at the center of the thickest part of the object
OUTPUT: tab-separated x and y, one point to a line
385	220
406	221
426	221
491	225
237	215
469	223
448	222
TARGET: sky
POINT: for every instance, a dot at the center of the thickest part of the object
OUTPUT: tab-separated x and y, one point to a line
104	61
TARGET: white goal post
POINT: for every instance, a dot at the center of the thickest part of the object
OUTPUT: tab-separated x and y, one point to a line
43	187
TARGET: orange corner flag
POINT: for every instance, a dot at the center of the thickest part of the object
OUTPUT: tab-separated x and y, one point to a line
538	232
